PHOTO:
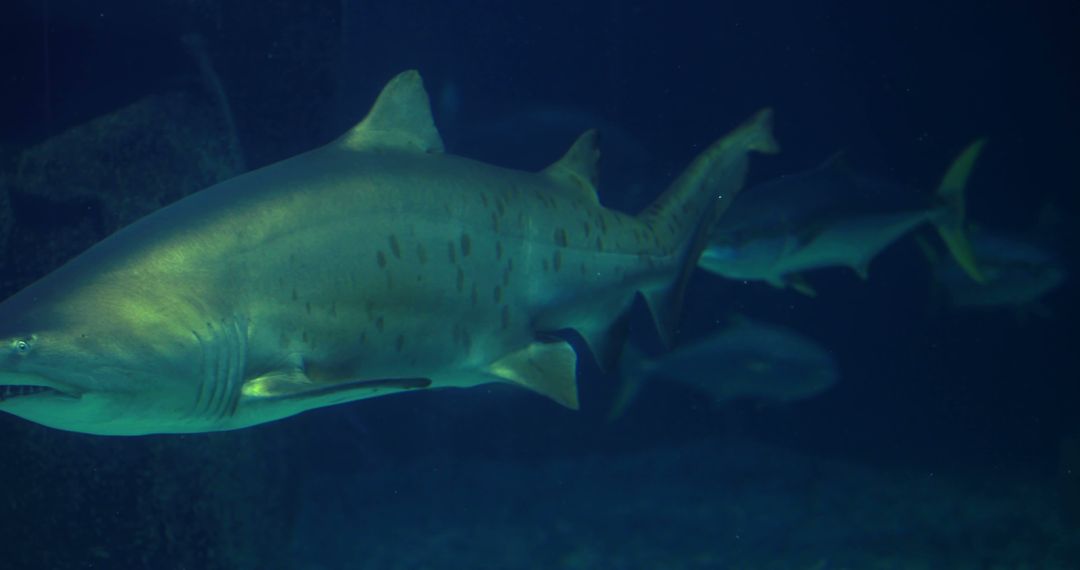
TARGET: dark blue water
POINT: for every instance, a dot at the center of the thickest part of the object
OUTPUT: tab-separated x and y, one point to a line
951	440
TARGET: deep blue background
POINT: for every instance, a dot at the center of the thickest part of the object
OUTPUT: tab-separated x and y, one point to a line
901	85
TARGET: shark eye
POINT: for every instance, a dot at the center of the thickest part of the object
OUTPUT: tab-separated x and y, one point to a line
22	346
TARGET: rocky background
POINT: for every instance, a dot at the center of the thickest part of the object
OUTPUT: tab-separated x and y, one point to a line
208	501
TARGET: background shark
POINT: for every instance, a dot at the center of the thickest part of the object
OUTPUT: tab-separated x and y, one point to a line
747	360
831	216
1017	272
373	265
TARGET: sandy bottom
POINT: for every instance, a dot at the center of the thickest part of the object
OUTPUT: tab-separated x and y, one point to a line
715	504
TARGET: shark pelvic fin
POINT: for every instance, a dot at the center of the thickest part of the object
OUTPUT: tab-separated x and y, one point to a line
577	169
399	119
547	368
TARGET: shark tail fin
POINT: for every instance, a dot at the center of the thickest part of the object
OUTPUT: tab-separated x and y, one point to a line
951	224
634	370
682	218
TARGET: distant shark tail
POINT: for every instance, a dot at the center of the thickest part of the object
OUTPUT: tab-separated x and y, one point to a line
634	370
683	216
951	223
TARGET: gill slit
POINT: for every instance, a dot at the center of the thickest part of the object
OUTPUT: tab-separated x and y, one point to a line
224	355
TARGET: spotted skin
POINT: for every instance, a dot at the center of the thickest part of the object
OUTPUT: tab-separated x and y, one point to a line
315	281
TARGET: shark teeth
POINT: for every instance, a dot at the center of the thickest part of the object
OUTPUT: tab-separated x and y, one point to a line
8	392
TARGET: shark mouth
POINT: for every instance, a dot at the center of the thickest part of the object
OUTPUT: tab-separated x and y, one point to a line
8	391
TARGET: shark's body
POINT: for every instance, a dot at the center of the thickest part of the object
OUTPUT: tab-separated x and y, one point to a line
832	217
748	360
372	265
1019	273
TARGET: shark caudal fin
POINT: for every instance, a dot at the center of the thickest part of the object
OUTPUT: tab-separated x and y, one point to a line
951	223
683	216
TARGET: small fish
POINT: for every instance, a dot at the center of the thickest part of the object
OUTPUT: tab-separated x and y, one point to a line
373	265
746	360
831	217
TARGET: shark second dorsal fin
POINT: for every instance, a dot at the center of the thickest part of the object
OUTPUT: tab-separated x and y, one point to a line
577	169
399	119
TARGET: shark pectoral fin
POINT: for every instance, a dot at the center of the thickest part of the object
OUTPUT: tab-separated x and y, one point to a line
277	384
547	368
294	383
799	283
576	171
400	119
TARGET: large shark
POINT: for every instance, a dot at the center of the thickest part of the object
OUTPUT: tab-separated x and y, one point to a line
831	216
373	265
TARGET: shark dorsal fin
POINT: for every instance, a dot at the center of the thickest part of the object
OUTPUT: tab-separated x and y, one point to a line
400	119
577	170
